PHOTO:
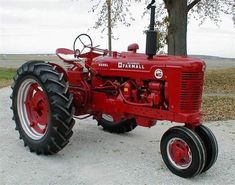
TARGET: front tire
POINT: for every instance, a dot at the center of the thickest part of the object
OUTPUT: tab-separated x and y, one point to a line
122	127
183	152
42	108
211	145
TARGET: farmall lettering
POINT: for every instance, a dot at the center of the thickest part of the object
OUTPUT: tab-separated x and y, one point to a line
130	65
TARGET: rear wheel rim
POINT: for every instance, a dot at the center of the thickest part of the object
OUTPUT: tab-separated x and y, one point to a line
32	107
179	153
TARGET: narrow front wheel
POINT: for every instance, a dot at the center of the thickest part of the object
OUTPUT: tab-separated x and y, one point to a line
211	145
183	152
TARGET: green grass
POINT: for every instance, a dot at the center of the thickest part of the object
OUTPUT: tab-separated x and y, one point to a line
6	76
7	73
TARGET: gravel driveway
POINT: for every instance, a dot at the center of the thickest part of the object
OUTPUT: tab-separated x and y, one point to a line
95	157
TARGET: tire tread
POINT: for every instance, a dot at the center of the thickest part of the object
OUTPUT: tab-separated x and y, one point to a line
61	103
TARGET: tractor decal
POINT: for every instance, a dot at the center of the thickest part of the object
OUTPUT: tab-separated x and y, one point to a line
128	65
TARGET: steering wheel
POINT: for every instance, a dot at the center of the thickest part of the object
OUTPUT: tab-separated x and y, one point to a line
85	42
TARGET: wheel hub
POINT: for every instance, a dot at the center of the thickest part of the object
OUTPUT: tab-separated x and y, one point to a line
179	153
37	108
33	109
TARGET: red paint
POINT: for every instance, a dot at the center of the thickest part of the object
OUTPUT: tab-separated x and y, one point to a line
126	85
179	153
37	109
133	47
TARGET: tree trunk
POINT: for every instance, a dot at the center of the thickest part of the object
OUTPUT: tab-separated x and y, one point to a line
109	25
177	31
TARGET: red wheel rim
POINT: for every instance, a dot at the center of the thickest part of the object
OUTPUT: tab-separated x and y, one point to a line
33	109
179	153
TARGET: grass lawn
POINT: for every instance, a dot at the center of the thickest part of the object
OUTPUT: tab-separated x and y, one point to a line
6	76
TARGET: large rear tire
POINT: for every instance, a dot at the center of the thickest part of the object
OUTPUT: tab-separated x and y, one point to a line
122	127
42	108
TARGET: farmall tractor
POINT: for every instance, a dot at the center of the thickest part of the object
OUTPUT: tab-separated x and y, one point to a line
120	91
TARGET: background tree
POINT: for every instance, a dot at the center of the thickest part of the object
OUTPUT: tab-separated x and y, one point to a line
172	15
180	10
110	13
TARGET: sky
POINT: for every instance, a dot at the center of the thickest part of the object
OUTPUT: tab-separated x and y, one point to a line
42	26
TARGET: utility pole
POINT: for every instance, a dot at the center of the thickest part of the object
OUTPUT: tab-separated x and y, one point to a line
109	24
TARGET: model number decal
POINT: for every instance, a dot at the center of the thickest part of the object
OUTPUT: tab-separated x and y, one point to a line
103	65
128	65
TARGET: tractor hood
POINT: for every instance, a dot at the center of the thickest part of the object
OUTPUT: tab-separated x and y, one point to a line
129	64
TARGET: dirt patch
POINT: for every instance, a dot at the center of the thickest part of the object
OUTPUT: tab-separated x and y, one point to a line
220	81
219	95
5	82
217	108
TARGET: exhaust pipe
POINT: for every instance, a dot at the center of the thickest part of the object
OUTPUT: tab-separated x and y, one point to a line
151	39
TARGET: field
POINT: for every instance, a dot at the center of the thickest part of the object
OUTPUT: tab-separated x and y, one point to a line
6	76
10	62
219	87
16	60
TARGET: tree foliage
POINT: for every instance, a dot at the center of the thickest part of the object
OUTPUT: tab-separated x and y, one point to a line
196	9
210	9
200	10
120	13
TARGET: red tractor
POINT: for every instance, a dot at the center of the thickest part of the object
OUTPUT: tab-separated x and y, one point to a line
120	91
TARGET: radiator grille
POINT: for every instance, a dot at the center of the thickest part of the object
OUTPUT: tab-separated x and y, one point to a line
191	92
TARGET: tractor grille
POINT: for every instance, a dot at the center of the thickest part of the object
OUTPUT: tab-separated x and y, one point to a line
191	92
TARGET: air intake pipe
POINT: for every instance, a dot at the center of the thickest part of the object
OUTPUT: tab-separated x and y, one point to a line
151	40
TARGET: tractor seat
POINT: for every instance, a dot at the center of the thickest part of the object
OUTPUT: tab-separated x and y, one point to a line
67	55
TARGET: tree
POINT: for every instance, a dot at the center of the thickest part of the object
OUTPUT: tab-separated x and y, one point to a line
233	13
180	10
177	12
108	2
110	13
